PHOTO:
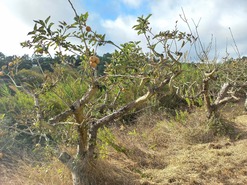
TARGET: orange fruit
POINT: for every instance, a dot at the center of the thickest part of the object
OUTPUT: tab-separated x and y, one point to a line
88	28
93	64
97	60
1	73
94	59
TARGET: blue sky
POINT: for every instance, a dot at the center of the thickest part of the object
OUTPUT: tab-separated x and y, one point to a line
110	9
115	18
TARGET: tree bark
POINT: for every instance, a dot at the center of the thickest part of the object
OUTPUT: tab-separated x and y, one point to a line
221	99
80	172
78	168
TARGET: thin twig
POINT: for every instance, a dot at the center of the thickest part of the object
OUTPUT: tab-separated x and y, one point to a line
72	6
236	47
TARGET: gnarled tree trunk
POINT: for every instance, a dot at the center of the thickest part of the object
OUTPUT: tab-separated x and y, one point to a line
78	167
81	164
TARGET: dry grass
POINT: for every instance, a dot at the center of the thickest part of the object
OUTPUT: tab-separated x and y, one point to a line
161	150
203	164
52	173
189	152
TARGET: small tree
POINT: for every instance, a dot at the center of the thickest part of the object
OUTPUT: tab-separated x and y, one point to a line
220	80
130	79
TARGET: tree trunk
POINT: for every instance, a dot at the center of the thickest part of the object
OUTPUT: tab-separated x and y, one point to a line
79	174
80	168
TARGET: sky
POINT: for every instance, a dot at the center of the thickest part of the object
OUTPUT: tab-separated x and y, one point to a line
115	18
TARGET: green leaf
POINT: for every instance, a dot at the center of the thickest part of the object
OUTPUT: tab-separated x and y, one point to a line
31	33
37	22
2	116
47	19
42	23
148	17
35	27
50	25
86	16
183	43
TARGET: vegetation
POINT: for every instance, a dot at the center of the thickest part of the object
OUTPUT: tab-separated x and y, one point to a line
140	111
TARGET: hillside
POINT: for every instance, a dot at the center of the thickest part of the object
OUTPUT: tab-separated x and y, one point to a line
157	149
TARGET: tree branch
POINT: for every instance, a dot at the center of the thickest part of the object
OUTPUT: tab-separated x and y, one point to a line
37	107
222	93
95	125
60	117
75	107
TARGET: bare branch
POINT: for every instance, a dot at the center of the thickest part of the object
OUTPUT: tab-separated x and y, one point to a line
120	112
227	99
39	115
60	117
72	6
210	74
131	105
236	47
223	92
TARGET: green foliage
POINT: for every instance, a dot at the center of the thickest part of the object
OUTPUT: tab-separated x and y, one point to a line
4	90
17	123
44	37
17	106
29	78
26	63
122	76
104	60
181	116
220	127
1	116
189	84
128	68
45	63
63	94
143	24
106	139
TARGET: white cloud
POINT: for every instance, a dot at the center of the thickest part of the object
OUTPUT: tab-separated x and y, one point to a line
120	31
10	33
32	10
17	17
121	28
133	3
216	17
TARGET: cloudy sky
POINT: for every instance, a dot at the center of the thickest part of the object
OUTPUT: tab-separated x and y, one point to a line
115	18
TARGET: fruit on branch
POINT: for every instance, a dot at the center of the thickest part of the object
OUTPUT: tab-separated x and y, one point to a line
94	61
93	65
1	73
88	28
